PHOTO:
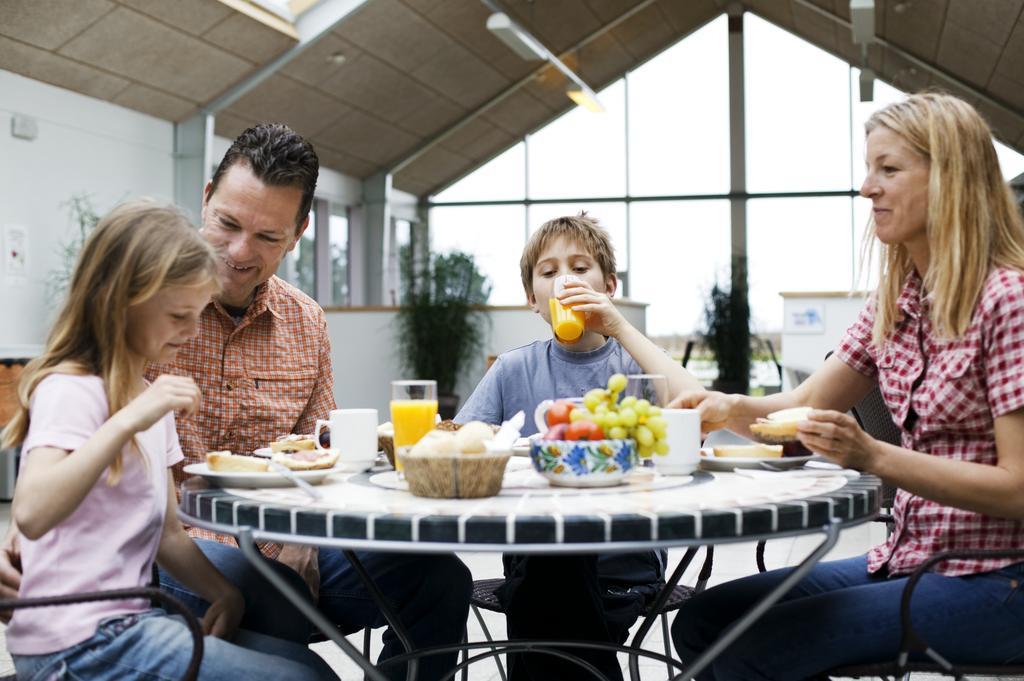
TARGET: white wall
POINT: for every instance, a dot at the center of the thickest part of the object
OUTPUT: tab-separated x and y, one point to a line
84	146
806	351
365	355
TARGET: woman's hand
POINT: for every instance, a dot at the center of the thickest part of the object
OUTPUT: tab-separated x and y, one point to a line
839	437
224	614
715	408
167	393
602	315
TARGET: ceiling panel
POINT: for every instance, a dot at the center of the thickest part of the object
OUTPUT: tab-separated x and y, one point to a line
342	162
387	29
249	39
519	112
459	75
1009	91
1011	62
966	54
993	19
155	103
687	16
135	46
52	68
820	30
368	138
192	16
915	26
32	21
559	25
438	162
281	99
643	32
315	65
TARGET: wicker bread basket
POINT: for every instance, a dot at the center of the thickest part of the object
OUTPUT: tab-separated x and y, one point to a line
455	476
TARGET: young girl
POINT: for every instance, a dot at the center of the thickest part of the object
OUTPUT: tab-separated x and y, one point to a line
94	503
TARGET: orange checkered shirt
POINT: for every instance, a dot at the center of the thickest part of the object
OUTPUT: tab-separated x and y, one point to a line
267	375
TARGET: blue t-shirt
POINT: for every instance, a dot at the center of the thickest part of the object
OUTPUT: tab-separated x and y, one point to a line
543	370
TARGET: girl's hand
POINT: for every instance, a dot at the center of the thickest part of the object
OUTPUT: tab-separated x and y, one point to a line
838	436
715	408
602	315
224	614
167	393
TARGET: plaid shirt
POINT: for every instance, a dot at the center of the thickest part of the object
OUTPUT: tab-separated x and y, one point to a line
945	394
265	376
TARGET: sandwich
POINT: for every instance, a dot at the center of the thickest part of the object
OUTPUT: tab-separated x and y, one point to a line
781	426
754	451
293	443
227	462
307	460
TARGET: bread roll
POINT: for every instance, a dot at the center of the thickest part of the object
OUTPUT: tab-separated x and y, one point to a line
780	426
227	462
307	460
757	451
293	443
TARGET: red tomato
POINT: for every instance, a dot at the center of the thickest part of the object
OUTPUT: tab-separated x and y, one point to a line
584	430
559	412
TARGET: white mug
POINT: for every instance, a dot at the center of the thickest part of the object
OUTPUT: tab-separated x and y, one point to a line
353	434
683	442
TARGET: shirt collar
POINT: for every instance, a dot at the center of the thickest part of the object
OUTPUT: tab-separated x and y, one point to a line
909	301
266	300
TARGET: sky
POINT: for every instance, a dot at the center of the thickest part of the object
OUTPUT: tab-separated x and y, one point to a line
804	133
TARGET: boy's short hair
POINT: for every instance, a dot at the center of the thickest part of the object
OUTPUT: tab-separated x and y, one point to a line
582	229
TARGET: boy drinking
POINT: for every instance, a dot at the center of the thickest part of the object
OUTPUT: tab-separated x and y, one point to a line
588	597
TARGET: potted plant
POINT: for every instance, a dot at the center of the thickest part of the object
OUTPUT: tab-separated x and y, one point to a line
727	332
84	217
440	325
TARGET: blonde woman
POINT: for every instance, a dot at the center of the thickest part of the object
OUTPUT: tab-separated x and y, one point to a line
943	336
95	505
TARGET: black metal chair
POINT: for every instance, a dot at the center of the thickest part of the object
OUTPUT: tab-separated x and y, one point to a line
912	643
154	595
484	598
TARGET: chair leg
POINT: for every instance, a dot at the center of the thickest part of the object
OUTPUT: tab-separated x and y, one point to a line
760	556
487	635
668	643
366	645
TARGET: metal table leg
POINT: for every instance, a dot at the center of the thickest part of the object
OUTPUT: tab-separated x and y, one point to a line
741	625
256	559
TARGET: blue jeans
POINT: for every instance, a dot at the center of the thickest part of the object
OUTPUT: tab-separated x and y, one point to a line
429	593
839	614
154	645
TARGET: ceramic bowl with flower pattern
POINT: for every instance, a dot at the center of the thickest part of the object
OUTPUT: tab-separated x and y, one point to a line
583	463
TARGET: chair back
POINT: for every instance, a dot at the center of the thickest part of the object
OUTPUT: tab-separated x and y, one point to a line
874	417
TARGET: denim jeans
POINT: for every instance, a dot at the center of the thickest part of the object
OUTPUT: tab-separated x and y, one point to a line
429	593
154	645
839	614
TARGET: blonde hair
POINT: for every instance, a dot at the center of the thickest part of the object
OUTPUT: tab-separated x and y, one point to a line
973	223
136	250
581	229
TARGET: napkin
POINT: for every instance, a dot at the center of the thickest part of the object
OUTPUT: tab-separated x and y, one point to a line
507	434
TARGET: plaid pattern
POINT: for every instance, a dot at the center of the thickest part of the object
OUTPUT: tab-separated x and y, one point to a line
266	376
967	382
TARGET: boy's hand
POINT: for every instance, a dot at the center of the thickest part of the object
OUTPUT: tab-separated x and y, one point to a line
224	615
715	408
602	315
167	393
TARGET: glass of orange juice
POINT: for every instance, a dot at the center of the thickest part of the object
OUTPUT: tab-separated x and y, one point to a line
565	322
413	413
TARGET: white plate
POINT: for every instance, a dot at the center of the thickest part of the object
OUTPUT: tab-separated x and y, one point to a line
709	462
268	479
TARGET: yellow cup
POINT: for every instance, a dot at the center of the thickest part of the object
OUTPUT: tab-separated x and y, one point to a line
412	420
565	322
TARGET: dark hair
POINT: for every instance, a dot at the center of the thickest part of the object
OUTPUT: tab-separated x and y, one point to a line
277	156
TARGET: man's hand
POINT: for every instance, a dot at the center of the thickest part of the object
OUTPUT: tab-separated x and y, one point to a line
601	313
10	570
715	408
223	615
303	559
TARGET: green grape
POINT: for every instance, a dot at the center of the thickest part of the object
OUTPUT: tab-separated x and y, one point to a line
627	417
645	451
627	402
661	448
578	415
601	408
617	383
593	398
612	419
644	436
655	411
642	407
658	426
617	433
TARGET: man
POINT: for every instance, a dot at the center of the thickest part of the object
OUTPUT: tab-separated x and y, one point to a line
262	360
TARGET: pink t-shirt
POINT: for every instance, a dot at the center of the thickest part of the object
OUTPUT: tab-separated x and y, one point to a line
110	540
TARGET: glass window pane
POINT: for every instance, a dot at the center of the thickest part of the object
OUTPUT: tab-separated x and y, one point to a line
494	235
803	244
884	94
339	254
1011	161
679	249
582	154
297	266
503	178
679	117
797	112
611	216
